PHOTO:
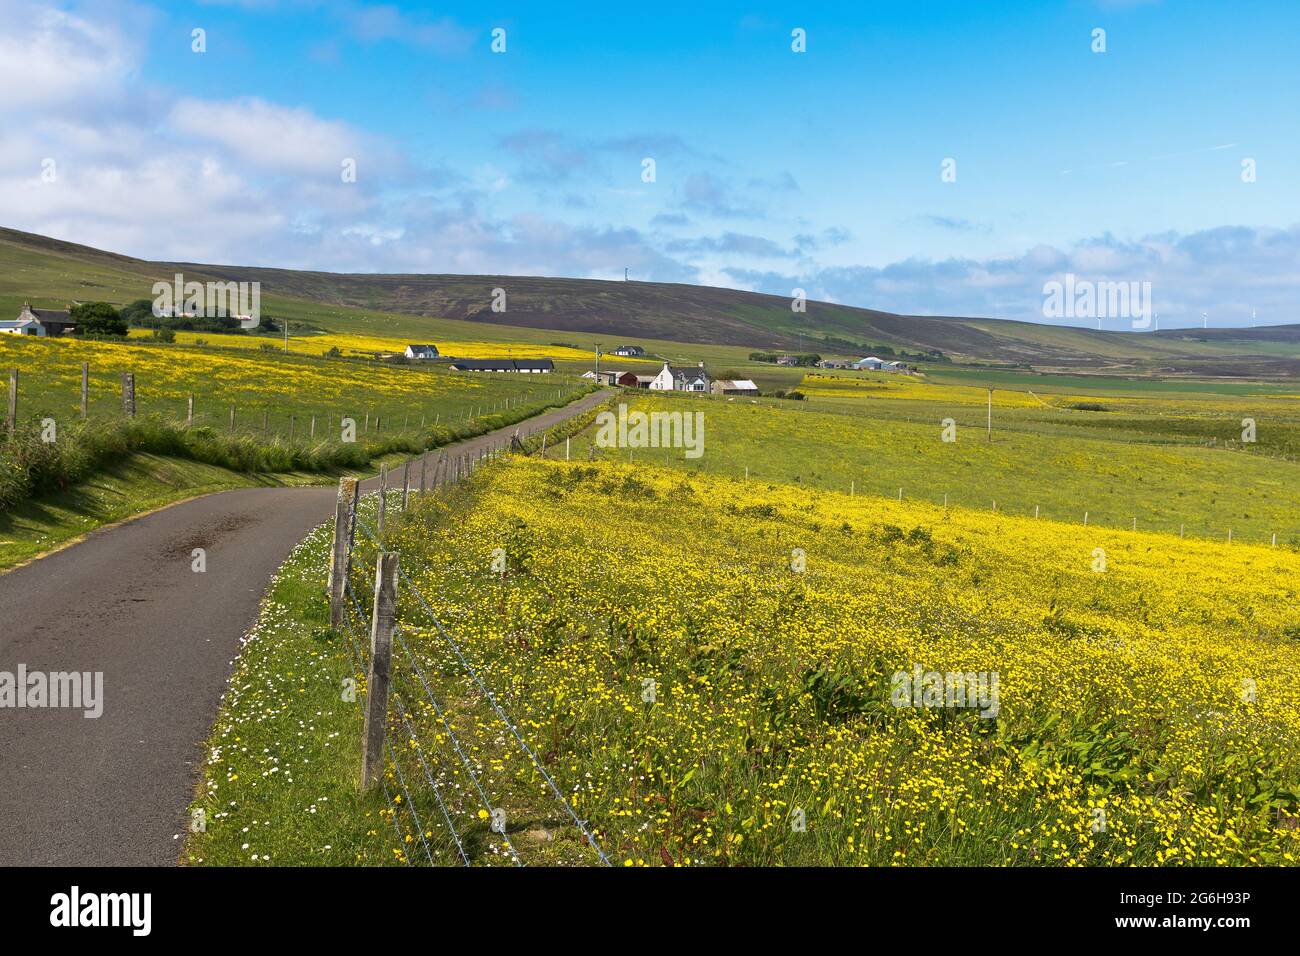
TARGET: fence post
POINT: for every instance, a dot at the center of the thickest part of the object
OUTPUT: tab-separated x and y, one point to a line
292	421
566	449
381	655
128	394
189	411
406	483
11	422
313	426
543	444
424	474
85	388
266	416
232	419
383	503
341	553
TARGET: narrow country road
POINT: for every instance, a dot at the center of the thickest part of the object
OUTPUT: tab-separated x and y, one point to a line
112	791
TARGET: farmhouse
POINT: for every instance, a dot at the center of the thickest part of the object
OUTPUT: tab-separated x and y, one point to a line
787	360
835	363
422	351
629	351
535	366
681	378
43	322
739	386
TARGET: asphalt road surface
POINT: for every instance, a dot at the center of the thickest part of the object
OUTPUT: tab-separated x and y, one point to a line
112	791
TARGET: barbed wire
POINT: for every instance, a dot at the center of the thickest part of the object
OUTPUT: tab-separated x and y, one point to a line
402	710
451	734
496	706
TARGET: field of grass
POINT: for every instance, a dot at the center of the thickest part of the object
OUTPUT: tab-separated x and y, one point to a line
709	668
61	476
1173	463
263	386
131	486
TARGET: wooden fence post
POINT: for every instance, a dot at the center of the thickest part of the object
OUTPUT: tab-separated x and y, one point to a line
266	415
566	449
424	474
383	504
381	655
232	419
189	411
292	421
128	394
11	422
341	553
313	426
406	483
85	388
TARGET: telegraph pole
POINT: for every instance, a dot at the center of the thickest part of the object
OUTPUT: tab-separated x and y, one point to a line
990	413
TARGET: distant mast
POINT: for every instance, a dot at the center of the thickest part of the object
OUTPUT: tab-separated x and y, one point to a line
1205	320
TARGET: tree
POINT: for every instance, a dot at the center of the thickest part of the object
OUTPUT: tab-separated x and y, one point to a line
98	318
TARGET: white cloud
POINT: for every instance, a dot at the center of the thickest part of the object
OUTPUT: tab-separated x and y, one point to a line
268	136
51	57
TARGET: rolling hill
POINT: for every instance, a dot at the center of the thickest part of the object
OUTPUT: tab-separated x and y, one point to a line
51	272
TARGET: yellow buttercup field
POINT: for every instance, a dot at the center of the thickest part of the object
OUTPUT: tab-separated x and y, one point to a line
720	671
369	345
256	382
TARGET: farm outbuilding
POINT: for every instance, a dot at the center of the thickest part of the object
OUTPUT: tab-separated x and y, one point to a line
739	386
535	366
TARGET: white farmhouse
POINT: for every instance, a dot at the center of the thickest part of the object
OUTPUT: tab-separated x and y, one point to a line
681	378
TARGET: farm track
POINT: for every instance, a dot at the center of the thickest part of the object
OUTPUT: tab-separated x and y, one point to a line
112	791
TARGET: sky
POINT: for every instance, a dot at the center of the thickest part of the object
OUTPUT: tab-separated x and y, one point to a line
921	157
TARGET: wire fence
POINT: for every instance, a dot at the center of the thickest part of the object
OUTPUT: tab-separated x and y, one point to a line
440	753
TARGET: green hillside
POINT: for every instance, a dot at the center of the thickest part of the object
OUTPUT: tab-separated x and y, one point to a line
663	316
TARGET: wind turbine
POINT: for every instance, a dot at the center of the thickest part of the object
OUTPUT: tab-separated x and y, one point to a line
1205	320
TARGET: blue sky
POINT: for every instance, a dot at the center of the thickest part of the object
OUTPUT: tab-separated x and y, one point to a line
774	169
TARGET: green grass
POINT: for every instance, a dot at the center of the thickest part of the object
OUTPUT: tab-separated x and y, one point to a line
1146	463
134	485
281	785
773	687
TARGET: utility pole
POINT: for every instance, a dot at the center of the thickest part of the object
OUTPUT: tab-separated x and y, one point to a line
286	336
990	413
